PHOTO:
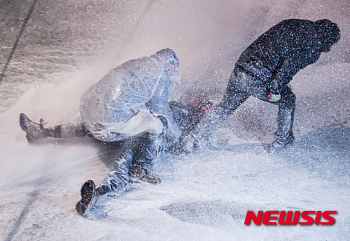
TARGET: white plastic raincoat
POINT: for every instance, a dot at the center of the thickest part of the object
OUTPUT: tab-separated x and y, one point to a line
127	101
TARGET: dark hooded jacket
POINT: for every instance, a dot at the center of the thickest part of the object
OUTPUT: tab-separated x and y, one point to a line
278	54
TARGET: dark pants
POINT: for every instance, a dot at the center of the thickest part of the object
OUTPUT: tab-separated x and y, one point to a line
239	88
141	151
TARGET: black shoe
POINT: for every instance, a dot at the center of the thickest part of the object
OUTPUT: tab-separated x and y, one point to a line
89	198
34	131
277	146
142	174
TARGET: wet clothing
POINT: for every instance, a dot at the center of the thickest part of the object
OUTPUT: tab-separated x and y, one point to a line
128	101
278	54
66	131
185	116
265	68
147	148
135	151
140	152
117	179
131	103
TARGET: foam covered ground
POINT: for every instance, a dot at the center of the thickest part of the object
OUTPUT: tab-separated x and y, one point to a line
68	45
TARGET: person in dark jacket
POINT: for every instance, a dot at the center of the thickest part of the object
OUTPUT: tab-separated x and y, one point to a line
264	70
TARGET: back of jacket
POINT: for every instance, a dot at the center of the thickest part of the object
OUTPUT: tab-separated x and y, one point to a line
278	54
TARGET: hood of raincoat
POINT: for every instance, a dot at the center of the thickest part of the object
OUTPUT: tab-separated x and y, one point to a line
171	66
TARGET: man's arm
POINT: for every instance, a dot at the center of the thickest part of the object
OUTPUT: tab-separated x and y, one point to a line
290	67
159	105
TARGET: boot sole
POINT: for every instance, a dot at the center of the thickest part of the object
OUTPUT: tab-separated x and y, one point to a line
88	200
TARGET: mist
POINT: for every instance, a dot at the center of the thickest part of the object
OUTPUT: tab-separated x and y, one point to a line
68	45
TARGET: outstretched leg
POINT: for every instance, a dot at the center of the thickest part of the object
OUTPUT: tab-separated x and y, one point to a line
213	119
116	181
147	149
37	131
118	177
131	163
136	153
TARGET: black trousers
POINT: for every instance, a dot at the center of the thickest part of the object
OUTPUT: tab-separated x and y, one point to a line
240	87
140	150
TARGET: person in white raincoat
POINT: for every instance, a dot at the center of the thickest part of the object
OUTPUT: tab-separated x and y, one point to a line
129	103
129	99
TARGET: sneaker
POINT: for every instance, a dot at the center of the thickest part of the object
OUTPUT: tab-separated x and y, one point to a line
34	131
89	198
142	174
